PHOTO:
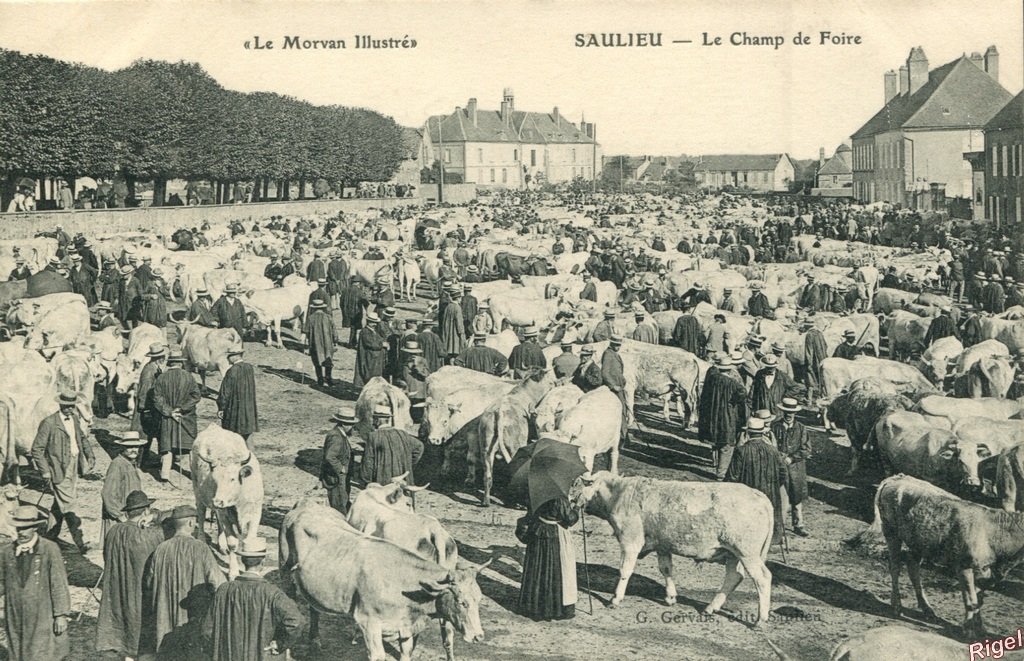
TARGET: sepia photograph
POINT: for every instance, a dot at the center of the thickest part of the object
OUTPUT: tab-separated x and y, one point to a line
511	331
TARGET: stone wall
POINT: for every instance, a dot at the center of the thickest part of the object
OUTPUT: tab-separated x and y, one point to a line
98	223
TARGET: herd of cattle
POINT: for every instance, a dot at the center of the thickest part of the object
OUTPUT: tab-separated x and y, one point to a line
900	407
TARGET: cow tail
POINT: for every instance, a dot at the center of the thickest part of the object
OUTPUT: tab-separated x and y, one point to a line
872	532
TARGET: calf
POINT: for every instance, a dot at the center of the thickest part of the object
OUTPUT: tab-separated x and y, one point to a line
970	539
699	520
895	641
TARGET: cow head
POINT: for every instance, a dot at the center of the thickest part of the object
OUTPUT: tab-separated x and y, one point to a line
126	371
458	601
968	456
586	492
229	471
436	416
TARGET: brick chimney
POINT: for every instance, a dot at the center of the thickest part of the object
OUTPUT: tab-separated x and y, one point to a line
821	157
558	118
977	59
891	85
904	79
917	65
471	109
508	106
992	62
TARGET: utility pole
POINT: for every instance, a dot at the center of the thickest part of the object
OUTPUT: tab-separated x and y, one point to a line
620	173
593	165
440	162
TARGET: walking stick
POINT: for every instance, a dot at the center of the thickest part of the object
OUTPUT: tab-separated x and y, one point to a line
98	581
586	563
177	438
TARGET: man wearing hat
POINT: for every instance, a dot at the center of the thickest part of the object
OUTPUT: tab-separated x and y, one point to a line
250	617
336	467
453	329
83	280
760	466
144	272
411	371
613	376
129	298
123	477
145	418
589	292
730	303
154	300
472	275
594	265
794	445
175	397
646	330
757	305
993	297
126	548
236	400
182	569
810	298
528	356
388	451
482	358
52	265
848	349
201	310
321	292
430	344
941	326
103	317
61	452
322	336
482	322
605	328
783	365
37	602
337	276
837	300
687	333
353	303
370	351
469	307
1014	296
316	270
229	311
815	351
770	386
566	363
20	270
723	410
272	271
110	282
587	376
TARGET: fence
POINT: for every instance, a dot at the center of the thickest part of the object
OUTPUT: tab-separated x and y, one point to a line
164	220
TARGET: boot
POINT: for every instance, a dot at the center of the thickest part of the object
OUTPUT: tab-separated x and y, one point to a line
166	463
75	528
327	375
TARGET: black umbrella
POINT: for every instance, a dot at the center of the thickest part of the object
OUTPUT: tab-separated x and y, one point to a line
25	182
545	471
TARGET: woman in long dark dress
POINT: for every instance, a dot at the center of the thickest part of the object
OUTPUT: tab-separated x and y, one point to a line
548	590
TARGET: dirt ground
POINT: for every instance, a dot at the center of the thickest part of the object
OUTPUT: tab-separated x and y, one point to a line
822	592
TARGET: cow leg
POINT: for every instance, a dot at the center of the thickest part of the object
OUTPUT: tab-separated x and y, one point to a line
280	338
488	481
681	408
626	565
665	566
854	460
314	628
732	579
406	647
762	578
914	571
972	621
665	407
448	640
895	560
613	460
373	636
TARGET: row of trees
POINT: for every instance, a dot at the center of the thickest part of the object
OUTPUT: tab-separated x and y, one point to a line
155	121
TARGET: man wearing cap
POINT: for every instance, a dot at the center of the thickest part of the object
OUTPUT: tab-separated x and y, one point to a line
453	330
229	311
144	273
646	330
182	569
848	349
336	466
316	270
370	351
322	336
723	410
810	297
353	305
794	445
236	400
61	452
613	376
123	477
37	602
730	303
154	300
104	317
687	333
129	298
527	356
761	467
770	386
126	548
940	327
388	451
482	358
251	618
431	345
175	397
566	363
20	270
201	310
757	305
589	292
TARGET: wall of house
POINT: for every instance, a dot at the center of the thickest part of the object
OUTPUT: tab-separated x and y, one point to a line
783	175
938	157
835	181
1004	176
862	164
565	162
493	163
452	155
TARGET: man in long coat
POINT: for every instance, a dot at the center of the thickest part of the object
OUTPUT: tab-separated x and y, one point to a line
353	306
175	397
770	386
126	548
431	345
941	326
758	305
83	280
145	418
646	330
236	400
369	352
337	276
810	297
229	311
154	301
993	297
527	356
388	452
61	452
322	336
613	376
848	349
724	413
760	466
453	330
815	351
481	358
129	298
178	569
123	477
469	306
794	445
250	615
687	334
336	466
587	376
201	311
316	270
37	602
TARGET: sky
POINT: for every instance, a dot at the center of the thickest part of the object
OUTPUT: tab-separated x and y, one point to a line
677	98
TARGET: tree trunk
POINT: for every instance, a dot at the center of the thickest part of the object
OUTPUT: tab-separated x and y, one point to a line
302	188
255	190
159	192
266	189
42	188
129	183
287	189
71	185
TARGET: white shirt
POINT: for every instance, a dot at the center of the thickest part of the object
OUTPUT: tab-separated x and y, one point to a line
69	426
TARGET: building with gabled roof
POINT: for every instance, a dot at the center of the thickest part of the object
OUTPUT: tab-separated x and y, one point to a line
834	176
761	172
910	152
512	148
1003	164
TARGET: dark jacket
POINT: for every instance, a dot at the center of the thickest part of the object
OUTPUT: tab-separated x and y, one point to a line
51	450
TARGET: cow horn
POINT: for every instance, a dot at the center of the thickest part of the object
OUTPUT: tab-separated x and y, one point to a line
247	459
415	489
400	478
487	564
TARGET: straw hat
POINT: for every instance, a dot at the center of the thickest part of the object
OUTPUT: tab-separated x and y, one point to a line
27	516
130	439
157	350
412	347
346	415
531	331
789	405
382	411
252	548
755	426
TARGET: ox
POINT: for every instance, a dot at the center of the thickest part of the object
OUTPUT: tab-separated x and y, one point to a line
970	539
897	642
226	477
704	521
954	408
592	425
391	592
269	307
378	392
130	364
1010	479
206	349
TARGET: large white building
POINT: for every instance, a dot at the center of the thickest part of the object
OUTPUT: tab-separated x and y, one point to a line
511	148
